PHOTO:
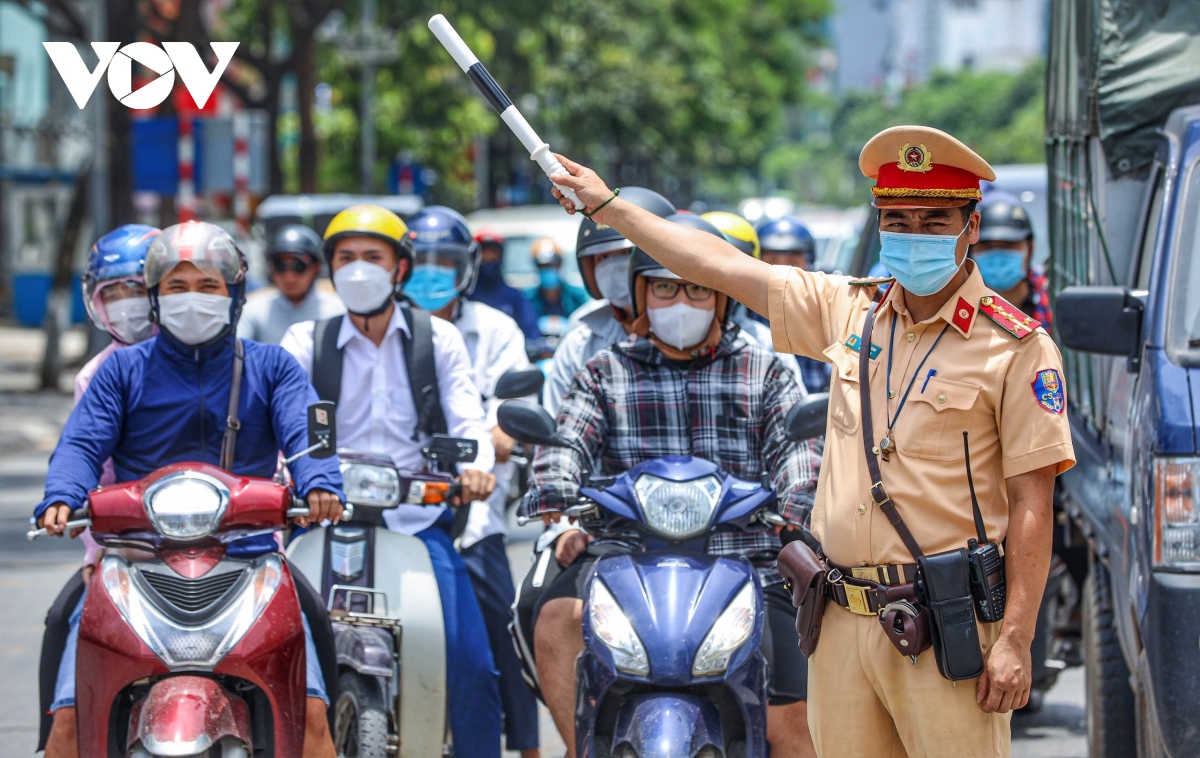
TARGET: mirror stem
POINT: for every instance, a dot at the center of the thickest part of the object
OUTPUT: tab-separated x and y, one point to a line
324	443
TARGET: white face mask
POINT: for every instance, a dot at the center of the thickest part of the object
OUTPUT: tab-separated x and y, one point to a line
129	319
362	286
193	318
612	278
680	325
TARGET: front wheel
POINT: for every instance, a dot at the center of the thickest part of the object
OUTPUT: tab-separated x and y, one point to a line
361	723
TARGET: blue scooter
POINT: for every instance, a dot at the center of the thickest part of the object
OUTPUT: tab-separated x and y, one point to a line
671	666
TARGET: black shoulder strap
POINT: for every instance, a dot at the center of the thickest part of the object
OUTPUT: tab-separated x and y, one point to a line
327	359
879	494
232	425
422	371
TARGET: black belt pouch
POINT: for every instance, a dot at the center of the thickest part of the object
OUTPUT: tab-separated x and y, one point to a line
945	589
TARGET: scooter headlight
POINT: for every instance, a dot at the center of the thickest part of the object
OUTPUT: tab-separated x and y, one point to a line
368	484
612	626
729	632
179	645
186	505
678	509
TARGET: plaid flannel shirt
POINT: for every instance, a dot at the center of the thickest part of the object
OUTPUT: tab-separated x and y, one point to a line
631	403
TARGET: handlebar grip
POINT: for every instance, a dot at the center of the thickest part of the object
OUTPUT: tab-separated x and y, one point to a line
79	513
453	491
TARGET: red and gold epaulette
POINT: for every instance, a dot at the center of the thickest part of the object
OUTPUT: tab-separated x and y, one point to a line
872	281
1008	316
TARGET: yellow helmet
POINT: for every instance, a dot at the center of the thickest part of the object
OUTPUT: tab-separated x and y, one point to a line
369	221
737	230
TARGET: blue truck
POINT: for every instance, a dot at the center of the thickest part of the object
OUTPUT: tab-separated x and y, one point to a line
1123	138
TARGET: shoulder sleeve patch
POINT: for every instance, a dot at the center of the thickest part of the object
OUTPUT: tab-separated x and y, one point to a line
1008	317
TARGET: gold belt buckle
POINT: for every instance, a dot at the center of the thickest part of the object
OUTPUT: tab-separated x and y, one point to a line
856	600
867	573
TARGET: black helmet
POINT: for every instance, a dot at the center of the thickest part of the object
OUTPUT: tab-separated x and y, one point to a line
296	239
594	239
1003	219
641	264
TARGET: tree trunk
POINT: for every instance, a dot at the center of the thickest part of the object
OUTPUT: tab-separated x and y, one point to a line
306	74
273	81
58	307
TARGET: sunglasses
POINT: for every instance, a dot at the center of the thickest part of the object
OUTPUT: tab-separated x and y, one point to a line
668	290
283	266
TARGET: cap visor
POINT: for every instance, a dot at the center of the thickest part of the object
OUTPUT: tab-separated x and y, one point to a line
913	203
605	247
660	273
1004	234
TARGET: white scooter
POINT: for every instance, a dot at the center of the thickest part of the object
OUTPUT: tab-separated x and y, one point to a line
383	600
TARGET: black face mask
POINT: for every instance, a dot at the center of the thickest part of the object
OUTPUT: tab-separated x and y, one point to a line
490	272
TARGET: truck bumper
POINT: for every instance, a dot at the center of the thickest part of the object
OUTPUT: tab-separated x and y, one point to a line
1172	643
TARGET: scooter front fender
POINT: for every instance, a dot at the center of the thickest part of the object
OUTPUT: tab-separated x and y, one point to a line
186	715
667	725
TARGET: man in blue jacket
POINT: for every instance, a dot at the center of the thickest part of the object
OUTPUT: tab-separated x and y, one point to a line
165	400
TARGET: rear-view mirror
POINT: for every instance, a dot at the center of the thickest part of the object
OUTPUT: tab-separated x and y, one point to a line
451	449
520	383
322	429
1105	320
527	422
807	418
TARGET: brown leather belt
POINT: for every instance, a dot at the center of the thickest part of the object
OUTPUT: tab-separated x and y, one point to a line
865	598
888	575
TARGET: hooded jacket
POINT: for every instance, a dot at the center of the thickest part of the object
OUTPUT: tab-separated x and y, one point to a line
161	402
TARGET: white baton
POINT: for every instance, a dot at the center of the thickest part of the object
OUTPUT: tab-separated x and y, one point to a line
538	151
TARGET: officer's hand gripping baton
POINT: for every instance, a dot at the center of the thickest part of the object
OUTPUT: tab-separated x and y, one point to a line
538	151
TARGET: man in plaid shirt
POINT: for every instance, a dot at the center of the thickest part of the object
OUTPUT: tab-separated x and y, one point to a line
685	383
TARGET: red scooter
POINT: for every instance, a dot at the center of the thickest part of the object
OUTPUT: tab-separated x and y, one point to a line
190	645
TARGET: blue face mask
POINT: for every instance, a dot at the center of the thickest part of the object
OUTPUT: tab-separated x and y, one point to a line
922	263
1001	269
489	273
549	277
431	287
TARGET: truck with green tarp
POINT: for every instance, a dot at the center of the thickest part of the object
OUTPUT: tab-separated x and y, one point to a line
1123	156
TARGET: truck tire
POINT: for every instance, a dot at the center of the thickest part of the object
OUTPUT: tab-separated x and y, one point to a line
1111	719
361	726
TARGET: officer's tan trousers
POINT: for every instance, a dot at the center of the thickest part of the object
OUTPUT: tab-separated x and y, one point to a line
865	700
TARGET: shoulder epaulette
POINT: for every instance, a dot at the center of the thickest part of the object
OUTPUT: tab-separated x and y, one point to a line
872	281
1008	316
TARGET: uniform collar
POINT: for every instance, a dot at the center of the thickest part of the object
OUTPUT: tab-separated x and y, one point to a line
959	311
349	331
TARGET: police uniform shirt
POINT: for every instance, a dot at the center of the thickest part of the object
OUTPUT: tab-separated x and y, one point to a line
1005	390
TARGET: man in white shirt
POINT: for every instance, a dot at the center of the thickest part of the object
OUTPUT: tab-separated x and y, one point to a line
295	258
370	255
445	264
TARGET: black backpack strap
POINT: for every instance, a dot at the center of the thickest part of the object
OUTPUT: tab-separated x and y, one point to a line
422	371
327	359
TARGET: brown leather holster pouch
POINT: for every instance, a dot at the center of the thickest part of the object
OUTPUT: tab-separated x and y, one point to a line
807	577
905	623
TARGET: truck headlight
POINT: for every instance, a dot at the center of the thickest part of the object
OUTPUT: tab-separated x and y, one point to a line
612	626
186	505
1176	527
368	484
678	509
199	646
729	632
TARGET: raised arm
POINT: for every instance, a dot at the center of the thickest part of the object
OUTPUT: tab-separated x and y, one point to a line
703	258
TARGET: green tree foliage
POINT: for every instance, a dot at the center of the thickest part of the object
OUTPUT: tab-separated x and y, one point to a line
999	115
659	92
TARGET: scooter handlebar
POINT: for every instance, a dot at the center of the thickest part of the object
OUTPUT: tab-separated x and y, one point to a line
79	518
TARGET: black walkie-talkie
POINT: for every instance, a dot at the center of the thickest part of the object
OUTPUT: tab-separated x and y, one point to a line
988	586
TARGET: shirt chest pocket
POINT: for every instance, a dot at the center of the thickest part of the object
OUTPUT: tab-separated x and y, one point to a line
934	420
845	389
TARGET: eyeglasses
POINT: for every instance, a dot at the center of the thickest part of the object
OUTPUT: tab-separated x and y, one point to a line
293	265
668	290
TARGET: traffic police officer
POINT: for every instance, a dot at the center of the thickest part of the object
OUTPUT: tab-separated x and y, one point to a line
959	359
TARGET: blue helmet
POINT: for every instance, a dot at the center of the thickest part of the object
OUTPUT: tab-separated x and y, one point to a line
117	258
445	257
786	234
